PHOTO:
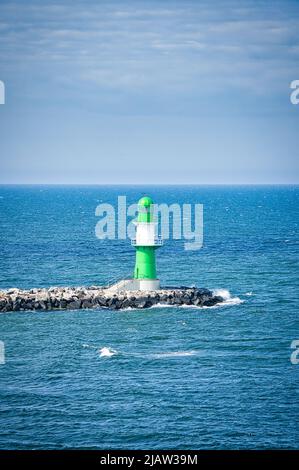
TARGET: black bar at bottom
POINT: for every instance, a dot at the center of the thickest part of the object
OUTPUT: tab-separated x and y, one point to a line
148	458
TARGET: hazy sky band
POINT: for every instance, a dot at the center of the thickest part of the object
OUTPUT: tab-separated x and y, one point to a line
133	92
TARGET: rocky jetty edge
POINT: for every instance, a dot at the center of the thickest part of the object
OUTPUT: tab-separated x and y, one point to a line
73	298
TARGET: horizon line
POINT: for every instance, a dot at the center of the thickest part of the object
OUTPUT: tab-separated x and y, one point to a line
150	184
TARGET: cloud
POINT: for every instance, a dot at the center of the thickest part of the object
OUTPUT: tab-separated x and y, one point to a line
132	46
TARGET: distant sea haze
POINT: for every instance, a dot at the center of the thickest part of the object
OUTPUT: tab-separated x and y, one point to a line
163	377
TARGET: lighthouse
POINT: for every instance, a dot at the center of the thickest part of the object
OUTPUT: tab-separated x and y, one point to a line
146	244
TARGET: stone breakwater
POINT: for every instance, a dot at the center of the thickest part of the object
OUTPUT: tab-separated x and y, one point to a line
73	298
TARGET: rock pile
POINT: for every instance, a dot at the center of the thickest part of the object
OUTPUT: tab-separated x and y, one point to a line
73	298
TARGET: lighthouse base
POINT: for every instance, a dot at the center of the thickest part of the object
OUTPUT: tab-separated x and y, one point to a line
136	284
148	284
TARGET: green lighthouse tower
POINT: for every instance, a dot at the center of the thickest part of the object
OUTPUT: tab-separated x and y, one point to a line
146	243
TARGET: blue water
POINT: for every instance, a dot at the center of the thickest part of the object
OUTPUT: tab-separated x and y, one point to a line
180	378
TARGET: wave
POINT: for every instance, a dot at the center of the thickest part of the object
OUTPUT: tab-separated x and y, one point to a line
103	352
107	352
161	305
228	299
163	355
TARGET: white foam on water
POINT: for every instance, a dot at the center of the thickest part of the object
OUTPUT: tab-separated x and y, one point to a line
126	309
163	355
249	293
132	330
224	293
228	299
85	345
159	305
187	306
107	352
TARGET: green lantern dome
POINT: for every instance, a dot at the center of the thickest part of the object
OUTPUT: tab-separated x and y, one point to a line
145	209
145	201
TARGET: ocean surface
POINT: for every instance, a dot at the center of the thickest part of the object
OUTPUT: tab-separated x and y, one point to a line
158	378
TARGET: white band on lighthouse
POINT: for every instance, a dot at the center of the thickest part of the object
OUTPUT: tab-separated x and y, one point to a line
146	233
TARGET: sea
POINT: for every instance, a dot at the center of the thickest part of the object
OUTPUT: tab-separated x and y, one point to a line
222	377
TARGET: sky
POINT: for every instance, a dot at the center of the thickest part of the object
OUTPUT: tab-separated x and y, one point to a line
149	92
